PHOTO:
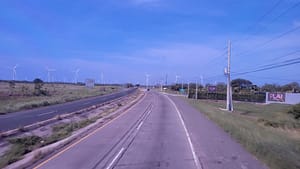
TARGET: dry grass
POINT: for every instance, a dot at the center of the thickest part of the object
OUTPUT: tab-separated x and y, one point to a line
22	95
266	131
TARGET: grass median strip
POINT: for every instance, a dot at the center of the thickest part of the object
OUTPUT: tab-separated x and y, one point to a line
267	131
23	145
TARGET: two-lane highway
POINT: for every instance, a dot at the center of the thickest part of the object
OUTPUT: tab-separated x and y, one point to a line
154	134
27	117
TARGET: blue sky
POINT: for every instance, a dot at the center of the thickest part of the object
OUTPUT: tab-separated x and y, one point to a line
126	39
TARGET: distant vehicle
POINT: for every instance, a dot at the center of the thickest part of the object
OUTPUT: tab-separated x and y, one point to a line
148	89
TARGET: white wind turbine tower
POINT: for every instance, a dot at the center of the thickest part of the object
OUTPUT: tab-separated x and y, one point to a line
147	80
14	72
102	76
76	75
49	73
176	79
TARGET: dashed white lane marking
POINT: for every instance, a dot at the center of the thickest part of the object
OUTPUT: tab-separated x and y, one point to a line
115	158
86	103
196	160
139	125
42	114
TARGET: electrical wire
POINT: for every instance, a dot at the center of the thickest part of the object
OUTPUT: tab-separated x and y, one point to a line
272	78
269	41
260	19
288	54
296	61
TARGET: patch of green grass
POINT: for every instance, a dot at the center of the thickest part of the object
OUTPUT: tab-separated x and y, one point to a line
276	146
62	131
295	111
19	147
24	145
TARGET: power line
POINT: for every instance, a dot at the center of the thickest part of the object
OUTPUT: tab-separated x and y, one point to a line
269	41
288	54
286	61
215	58
261	18
296	61
269	11
223	50
276	18
280	57
272	78
277	58
286	11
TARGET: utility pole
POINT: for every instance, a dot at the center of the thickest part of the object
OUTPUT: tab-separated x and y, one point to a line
181	84
188	90
166	80
147	81
196	94
202	83
176	77
161	85
229	105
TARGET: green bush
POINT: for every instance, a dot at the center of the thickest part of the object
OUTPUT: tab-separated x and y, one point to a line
20	146
295	111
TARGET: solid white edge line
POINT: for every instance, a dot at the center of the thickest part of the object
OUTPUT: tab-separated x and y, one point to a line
116	157
196	160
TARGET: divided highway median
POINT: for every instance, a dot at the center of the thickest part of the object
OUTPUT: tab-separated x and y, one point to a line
24	145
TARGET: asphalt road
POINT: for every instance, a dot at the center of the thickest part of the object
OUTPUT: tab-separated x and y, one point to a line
158	132
27	117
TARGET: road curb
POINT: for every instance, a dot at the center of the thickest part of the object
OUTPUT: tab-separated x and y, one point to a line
38	154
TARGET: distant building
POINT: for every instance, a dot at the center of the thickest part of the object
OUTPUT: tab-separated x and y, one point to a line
89	83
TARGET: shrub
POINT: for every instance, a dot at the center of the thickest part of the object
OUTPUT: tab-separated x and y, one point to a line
20	146
295	111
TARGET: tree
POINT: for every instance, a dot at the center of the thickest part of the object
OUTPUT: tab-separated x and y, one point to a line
291	87
221	87
241	83
270	88
175	87
128	85
38	84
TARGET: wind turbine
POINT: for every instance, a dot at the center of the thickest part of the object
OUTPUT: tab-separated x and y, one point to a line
76	75
102	76
147	80
177	77
49	73
14	72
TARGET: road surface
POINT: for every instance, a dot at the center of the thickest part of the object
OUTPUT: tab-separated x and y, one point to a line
159	132
27	117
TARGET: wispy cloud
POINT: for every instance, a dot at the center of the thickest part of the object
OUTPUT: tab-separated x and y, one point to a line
141	2
296	23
